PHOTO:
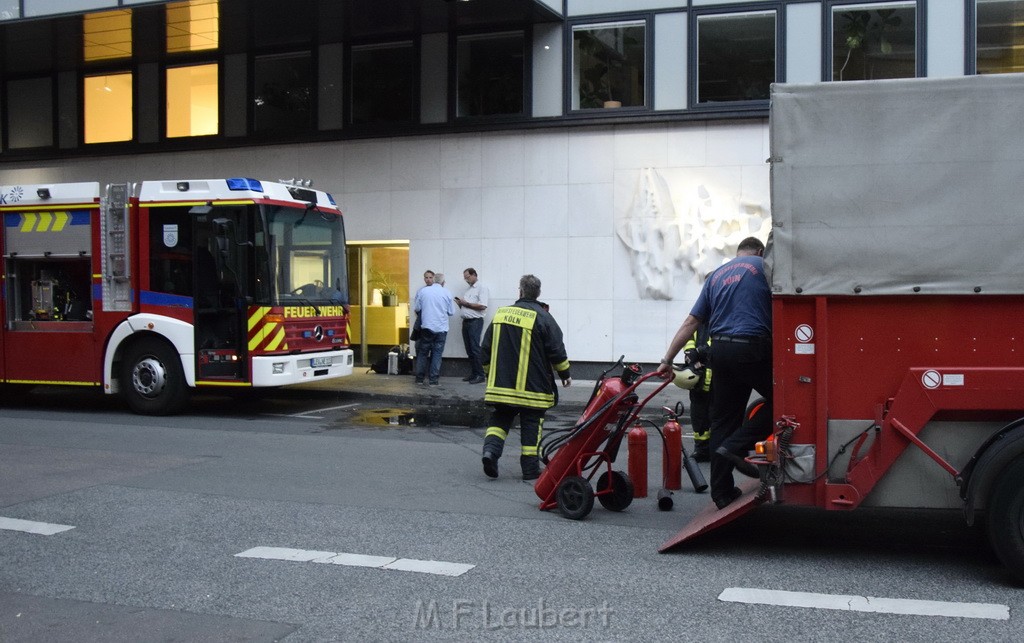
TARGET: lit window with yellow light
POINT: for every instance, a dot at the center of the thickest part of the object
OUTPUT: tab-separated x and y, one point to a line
108	108
193	26
192	101
107	35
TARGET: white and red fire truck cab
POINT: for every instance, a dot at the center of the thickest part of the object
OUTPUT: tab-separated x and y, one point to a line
151	289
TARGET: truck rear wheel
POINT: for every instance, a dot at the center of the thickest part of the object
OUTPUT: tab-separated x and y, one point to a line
1005	515
152	380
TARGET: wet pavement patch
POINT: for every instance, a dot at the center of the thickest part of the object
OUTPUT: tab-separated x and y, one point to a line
472	416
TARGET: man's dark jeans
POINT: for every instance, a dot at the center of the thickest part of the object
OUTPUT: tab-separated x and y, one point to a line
471	331
430	345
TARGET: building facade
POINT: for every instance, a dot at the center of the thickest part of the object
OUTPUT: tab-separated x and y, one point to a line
615	148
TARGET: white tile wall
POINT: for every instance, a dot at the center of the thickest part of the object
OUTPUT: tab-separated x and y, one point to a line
546	158
538	201
503	212
546	211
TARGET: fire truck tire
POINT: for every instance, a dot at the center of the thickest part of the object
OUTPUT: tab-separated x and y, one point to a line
575	497
619	496
1005	513
152	380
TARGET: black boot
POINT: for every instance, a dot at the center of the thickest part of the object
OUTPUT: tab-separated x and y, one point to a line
701	451
490	464
531	466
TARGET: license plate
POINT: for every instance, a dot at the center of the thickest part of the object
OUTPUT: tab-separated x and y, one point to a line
320	361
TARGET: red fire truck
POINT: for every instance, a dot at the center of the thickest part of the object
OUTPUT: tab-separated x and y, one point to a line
150	289
898	303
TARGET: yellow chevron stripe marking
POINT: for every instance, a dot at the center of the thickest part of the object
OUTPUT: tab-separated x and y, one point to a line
60	222
45	219
28	221
274	343
257	315
261	335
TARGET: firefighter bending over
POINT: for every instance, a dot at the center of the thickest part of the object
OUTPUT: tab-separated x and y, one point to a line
519	349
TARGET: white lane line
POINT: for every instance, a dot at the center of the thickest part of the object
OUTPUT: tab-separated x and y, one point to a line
33	527
437	567
357	560
904	606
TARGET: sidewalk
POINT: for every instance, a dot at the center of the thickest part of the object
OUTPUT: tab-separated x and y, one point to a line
403	390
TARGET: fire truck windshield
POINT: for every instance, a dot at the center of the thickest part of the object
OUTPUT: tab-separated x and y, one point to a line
306	251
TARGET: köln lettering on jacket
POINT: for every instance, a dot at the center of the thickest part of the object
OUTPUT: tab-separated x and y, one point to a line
515	316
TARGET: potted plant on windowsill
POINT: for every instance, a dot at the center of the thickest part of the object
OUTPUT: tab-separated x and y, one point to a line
387	286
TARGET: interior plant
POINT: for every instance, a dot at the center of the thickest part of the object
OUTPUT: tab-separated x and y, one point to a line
388	287
857	26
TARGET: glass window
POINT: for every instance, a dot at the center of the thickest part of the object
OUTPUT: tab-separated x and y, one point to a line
735	56
382	83
108	108
872	41
283	93
193	25
30	113
490	74
107	35
999	36
192	106
608	65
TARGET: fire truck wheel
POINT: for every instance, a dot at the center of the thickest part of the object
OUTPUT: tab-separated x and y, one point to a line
620	495
152	379
1005	513
575	497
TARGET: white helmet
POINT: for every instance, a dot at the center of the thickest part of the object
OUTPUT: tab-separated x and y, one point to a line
686	378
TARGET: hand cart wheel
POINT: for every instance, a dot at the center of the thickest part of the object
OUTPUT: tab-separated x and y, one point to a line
575	497
616	495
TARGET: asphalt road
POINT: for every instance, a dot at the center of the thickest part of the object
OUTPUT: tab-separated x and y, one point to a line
161	508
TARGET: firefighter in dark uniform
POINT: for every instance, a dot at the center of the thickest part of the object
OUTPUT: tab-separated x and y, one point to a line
520	348
696	351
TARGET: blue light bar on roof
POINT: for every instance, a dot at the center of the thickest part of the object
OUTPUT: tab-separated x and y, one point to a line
331	199
251	185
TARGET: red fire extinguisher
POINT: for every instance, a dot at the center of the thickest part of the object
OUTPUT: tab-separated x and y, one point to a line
671	454
637	441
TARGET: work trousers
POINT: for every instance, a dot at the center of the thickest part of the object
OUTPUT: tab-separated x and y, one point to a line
429	351
739	369
531	423
471	331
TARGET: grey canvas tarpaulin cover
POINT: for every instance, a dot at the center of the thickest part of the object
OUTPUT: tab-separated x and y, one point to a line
882	187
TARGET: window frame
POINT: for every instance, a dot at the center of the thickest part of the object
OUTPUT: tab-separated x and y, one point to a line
253	57
971	39
526	32
165	68
693	48
96	73
348	87
920	32
604	22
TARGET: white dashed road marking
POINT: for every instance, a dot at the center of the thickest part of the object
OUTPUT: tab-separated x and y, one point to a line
905	606
436	567
32	527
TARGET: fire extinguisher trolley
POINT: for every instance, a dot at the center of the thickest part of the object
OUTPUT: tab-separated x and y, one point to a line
574	457
898	304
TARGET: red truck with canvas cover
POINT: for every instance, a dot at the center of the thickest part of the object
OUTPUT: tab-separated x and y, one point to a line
163	286
898	303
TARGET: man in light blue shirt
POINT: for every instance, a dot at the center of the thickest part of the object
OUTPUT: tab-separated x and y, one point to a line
434	305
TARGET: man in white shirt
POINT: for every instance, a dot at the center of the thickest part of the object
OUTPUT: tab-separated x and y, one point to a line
472	305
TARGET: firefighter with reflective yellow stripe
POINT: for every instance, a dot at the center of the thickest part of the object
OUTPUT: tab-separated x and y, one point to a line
696	351
519	350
